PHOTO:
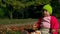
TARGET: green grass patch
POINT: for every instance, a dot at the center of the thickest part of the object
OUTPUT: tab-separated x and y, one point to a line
17	21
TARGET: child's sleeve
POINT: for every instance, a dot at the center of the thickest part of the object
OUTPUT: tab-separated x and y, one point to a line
55	25
38	23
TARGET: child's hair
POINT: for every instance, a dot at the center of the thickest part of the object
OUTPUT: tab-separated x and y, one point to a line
44	10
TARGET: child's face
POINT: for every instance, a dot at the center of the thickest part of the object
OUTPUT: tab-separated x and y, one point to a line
46	13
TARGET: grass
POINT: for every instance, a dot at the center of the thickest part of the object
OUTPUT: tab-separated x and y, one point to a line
17	21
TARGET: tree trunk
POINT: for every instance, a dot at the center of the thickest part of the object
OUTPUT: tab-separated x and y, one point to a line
22	14
11	16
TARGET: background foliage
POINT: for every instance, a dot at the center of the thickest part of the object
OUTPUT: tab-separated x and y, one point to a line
16	9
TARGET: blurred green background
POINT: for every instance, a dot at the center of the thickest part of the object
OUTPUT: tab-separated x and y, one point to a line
22	9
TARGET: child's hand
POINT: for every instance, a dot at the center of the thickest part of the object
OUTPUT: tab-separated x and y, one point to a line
53	30
34	26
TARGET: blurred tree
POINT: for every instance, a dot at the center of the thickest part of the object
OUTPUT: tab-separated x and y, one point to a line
1	13
19	5
56	8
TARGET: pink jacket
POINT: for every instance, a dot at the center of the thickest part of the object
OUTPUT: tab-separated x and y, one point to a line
54	24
